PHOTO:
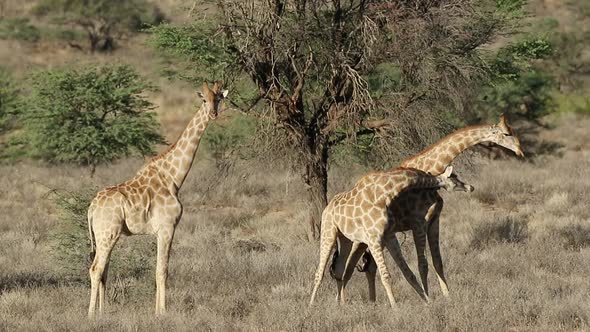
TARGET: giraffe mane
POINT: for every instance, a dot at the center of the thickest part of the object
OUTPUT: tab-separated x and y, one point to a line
444	140
163	153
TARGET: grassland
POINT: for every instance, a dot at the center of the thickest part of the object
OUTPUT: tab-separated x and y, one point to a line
516	250
516	253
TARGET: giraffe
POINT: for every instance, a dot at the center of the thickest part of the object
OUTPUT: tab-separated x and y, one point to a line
360	215
148	203
419	210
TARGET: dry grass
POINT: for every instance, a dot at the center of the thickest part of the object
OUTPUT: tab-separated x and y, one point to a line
516	251
516	257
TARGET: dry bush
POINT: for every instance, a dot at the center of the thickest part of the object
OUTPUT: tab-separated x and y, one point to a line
500	230
575	237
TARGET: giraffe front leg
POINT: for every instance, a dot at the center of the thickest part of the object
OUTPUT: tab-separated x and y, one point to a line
165	236
327	239
434	244
419	234
377	252
396	253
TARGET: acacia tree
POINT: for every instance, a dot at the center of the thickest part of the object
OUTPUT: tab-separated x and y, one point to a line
331	71
103	21
88	116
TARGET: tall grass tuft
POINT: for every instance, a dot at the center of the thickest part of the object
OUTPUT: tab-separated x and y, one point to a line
500	230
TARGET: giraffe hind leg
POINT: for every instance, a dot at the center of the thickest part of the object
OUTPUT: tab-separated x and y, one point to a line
419	234
104	246
327	239
102	289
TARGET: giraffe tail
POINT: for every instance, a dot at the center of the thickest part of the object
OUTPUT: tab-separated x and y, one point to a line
91	234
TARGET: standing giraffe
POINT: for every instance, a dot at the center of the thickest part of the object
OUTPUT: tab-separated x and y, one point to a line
419	210
360	215
148	203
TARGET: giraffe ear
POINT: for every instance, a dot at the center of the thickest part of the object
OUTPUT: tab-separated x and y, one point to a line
200	95
448	171
224	93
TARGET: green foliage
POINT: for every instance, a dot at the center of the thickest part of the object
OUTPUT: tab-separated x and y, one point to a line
384	77
71	242
519	84
18	28
192	44
89	116
515	7
8	100
528	95
515	59
572	103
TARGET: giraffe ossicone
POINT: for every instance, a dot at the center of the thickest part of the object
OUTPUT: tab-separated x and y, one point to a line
148	203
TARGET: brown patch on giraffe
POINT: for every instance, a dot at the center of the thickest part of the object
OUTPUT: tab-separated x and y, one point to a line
381	204
358	212
375	213
365	205
349	210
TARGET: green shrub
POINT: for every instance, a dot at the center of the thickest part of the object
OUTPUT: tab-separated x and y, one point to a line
192	44
18	28
520	85
89	116
8	100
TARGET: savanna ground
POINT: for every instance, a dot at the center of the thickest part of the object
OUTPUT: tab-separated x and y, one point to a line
516	250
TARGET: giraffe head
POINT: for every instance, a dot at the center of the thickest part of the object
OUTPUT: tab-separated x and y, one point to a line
212	99
503	135
460	185
451	182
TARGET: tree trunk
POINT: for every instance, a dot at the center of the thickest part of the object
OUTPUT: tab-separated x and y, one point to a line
316	180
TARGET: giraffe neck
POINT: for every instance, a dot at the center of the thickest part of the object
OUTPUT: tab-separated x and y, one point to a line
437	157
388	185
176	162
